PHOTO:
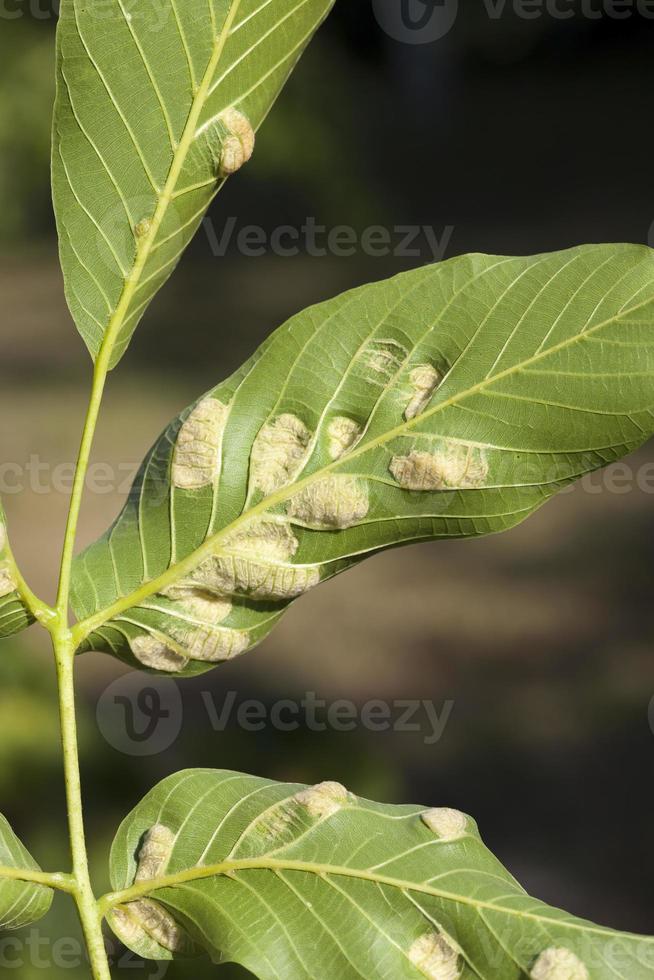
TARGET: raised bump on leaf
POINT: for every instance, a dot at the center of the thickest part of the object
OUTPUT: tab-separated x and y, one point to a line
231	575
198	604
544	412
265	541
324	800
153	109
335	502
211	645
156	654
435	957
343	434
558	963
238	145
145	919
384	358
155	853
276	822
278	453
148	920
456	466
424	379
255	562
7	584
448	824
142	228
196	459
438	911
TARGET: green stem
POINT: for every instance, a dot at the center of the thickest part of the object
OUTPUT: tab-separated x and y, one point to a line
64	650
83	891
97	390
65	640
57	880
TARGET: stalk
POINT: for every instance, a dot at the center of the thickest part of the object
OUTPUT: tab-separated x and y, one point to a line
77	495
82	890
64	652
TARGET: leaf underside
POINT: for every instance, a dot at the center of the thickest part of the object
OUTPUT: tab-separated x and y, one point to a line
312	882
14	614
448	402
137	136
21	903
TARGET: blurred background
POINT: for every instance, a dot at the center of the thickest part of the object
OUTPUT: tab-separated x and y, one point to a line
494	132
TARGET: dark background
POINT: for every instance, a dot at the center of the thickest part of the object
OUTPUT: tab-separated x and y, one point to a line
515	136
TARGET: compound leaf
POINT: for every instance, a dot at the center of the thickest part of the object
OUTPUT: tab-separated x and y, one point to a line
14	614
301	882
448	402
21	902
157	103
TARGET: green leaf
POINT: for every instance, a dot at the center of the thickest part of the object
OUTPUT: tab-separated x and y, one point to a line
449	402
296	882
14	614
21	902
141	141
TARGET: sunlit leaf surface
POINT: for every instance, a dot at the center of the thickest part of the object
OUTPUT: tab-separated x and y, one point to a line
300	882
449	402
157	105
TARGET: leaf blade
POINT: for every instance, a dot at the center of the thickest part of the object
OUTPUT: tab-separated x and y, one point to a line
474	390
14	613
21	902
297	881
137	132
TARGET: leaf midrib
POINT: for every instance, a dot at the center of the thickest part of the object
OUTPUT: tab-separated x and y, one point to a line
145	246
211	546
228	868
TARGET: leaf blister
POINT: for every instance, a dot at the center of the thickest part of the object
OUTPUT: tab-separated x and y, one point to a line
477	458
